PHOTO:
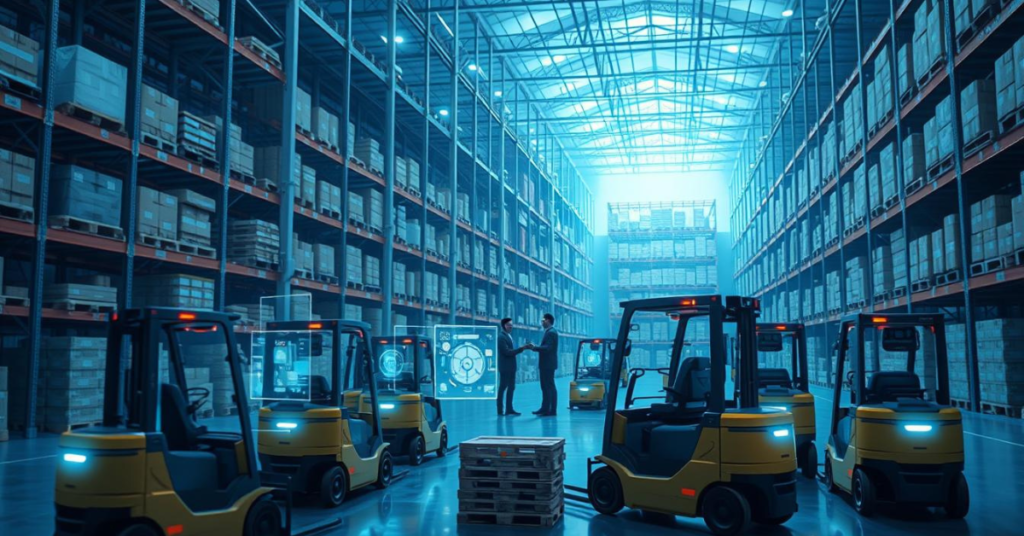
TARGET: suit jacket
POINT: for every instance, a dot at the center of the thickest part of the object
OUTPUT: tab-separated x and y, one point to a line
507	354
547	352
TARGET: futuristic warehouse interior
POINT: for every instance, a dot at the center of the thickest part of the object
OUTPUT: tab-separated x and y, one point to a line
496	267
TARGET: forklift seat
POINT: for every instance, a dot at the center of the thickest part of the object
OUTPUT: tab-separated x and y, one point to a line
692	387
180	431
774	377
890	386
319	389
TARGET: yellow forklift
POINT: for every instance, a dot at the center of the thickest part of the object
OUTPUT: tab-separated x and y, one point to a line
786	387
150	469
591	373
895	441
409	412
306	431
688	454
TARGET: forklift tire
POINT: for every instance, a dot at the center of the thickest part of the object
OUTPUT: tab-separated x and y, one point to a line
333	487
830	484
138	529
809	462
726	512
415	450
959	501
263	519
442	448
863	493
384	470
605	491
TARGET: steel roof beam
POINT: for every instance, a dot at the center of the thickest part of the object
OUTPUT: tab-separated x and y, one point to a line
630	46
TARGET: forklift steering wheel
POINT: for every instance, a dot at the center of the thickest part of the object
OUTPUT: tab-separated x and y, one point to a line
849	378
202	394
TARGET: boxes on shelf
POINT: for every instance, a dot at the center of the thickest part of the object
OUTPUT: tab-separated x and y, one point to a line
921	259
157	214
987	216
195	216
66	295
1007	73
371	271
268	102
881	270
19	57
17	179
84	194
373	207
328	198
197	138
241	155
913	159
978	111
368	151
305	190
253	243
252	313
302	255
905	69
353	266
70	382
356	208
174	290
325	126
1017	215
950	245
1001	361
159	119
856	281
90	83
938	134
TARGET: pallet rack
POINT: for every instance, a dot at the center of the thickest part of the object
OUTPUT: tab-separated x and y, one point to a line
637	236
471	131
835	49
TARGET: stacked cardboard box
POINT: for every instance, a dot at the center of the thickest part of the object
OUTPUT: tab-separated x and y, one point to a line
159	119
853	123
85	194
401	225
413	285
371	271
880	96
174	290
71	382
90	82
302	255
325	126
351	139
17	179
157	214
921	259
268	102
905	79
913	158
267	165
373	205
431	290
881	270
951	246
253	243
374	317
856	281
413	232
956	353
368	151
855	202
305	190
413	180
401	172
991	218
978	110
462	206
195	213
929	37
356	208
938	134
832	291
1009	81
102	295
19	57
328	198
197	137
398	271
241	154
1001	361
210	8
354	266
898	248
828	152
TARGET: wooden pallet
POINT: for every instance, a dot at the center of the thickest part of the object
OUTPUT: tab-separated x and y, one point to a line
333	214
851	155
80	306
372	288
157	242
988	266
18	86
899	292
266	184
976	28
246	178
198	155
931	72
79	225
254	262
981	141
907	96
940	168
962	404
159	143
497	505
263	51
529	474
354	285
93	118
328	279
914	185
1011	120
303	274
196	250
207	16
512	485
921	285
14	301
857	224
881	123
17	212
306	203
1001	409
511	518
947	278
883	297
857	305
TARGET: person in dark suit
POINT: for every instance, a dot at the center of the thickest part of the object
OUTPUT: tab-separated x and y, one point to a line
547	363
507	354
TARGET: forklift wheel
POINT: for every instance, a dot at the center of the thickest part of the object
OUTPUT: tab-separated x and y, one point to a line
415	450
605	491
138	529
959	501
442	448
830	484
809	463
263	519
863	493
384	470
333	487
726	512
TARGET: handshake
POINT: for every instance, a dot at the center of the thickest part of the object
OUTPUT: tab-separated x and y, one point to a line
527	346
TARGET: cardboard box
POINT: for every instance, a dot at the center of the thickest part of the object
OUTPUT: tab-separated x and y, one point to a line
913	158
990	239
91	82
159	115
951	242
1005	83
1004	235
17	178
978	109
1017	209
268	102
323	256
19	57
938	248
85	194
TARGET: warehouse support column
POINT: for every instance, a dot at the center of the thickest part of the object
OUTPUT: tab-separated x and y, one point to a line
387	264
346	117
425	166
131	183
42	180
224	155
286	174
453	166
503	178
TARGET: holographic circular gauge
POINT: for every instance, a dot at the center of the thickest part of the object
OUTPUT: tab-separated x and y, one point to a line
392	362
592	358
467	364
280	354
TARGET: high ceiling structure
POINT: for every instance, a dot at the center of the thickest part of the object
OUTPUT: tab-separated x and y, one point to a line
637	86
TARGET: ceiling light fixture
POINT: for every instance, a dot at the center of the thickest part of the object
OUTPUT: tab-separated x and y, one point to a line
733	49
559	58
763	83
498	93
787	13
545	61
472	67
443	112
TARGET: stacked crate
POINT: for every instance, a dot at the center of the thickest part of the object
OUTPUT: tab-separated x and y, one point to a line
913	162
373	208
17	183
328	199
371	272
938	139
898	248
367	150
195	215
197	139
325	127
882	186
956	353
906	82
921	262
511	481
305	189
950	250
857	291
87	84
855	201
353	267
241	155
991	234
302	255
929	40
19	58
978	110
82	197
1001	365
174	290
71	382
254	243
832	292
268	103
323	263
1009	79
157	215
158	122
881	272
96	295
853	124
880	99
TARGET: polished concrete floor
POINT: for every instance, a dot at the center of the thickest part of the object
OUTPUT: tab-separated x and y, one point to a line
425	502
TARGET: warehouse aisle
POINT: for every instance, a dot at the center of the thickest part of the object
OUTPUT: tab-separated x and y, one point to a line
425	502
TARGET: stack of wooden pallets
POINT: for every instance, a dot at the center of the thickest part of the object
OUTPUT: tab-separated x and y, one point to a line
512	481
